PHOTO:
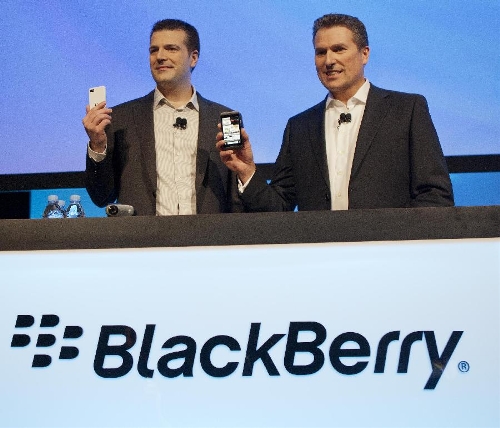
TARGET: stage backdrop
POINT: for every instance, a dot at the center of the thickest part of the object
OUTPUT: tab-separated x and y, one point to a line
256	57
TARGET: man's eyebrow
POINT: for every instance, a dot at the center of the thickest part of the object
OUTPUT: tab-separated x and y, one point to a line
335	45
167	46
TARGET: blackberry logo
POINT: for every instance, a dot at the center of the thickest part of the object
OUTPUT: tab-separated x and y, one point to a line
349	353
45	340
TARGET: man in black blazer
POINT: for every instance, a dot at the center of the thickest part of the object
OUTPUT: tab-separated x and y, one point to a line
362	147
156	152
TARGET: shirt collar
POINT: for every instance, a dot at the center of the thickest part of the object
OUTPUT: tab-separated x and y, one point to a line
359	97
159	99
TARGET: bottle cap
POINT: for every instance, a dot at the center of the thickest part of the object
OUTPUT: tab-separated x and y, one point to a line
53	198
75	198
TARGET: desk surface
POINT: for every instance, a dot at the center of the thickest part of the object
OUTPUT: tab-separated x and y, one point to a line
251	229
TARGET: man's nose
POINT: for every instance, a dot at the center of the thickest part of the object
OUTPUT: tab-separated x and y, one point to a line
161	55
330	58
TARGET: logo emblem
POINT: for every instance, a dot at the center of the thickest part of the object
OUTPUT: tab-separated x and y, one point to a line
45	340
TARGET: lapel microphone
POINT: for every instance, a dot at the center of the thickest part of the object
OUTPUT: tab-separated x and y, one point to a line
344	118
181	123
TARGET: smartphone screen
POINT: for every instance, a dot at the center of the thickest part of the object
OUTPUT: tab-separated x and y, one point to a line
97	95
231	123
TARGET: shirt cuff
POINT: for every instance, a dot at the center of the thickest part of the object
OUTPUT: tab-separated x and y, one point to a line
241	186
96	157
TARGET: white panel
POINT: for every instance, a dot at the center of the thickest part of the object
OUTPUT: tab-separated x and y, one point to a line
367	288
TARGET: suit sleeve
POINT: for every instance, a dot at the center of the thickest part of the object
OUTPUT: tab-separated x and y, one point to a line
430	180
99	177
236	204
280	194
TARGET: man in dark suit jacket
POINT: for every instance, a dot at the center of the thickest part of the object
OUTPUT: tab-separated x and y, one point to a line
122	161
362	147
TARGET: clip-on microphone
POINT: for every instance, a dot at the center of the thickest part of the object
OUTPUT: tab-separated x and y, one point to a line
344	118
180	123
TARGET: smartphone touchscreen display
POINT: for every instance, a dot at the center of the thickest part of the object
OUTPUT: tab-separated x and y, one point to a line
231	129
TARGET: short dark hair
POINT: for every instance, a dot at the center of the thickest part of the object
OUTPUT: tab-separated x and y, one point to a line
192	36
350	22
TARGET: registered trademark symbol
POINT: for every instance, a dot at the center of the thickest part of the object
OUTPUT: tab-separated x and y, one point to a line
463	366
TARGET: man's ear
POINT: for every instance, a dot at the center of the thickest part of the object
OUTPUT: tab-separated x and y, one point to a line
194	58
366	54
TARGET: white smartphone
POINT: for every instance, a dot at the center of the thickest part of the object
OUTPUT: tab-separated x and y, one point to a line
97	95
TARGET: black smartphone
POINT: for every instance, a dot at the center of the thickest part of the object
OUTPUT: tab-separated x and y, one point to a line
231	122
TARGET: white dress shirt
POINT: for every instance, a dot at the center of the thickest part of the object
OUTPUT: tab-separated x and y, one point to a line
175	155
341	143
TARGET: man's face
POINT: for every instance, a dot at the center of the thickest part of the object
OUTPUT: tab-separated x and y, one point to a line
170	60
339	62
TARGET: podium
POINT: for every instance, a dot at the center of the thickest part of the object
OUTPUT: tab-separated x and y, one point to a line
355	318
251	229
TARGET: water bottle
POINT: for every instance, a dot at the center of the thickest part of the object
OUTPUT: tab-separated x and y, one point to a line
62	205
52	210
75	208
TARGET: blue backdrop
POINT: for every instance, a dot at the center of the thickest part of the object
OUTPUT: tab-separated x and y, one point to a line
256	57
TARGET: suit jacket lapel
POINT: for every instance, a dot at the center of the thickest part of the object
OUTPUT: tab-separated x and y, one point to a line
206	142
376	109
316	132
144	123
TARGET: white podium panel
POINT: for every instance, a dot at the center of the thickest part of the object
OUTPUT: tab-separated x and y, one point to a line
386	334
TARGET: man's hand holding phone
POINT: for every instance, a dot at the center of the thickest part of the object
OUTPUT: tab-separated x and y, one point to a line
238	159
97	118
